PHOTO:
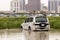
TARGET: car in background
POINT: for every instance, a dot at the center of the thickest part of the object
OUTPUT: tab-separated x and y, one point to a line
54	15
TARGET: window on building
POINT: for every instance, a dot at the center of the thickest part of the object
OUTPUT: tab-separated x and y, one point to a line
59	3
56	6
49	5
15	4
52	5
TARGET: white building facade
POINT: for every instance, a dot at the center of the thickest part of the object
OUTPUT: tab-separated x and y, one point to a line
53	5
25	5
17	6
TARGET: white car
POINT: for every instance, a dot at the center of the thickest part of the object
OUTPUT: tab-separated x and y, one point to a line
37	22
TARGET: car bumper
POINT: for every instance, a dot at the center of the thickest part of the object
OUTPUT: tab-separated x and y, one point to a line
42	28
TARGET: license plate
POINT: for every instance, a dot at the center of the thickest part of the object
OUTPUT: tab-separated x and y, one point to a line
42	24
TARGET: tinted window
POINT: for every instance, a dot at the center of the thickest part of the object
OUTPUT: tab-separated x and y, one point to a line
29	20
41	19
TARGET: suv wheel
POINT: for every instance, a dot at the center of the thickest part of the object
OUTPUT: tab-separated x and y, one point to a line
29	28
21	27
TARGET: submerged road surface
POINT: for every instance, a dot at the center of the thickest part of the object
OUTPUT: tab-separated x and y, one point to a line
17	34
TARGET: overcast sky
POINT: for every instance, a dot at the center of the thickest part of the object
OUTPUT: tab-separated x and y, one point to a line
5	4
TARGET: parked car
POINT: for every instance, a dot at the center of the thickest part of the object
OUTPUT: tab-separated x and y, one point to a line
37	22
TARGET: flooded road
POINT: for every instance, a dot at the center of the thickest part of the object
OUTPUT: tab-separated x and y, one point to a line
17	34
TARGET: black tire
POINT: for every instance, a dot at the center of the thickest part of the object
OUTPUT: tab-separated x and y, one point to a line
29	28
21	27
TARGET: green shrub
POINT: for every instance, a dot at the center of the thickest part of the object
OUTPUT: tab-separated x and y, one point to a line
54	22
15	22
9	23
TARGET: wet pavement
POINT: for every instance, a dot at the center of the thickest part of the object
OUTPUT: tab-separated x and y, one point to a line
17	34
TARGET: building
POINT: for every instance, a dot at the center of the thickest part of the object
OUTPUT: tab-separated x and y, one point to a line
53	5
42	6
25	5
17	5
33	5
58	9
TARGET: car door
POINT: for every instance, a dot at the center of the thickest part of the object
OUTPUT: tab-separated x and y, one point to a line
28	22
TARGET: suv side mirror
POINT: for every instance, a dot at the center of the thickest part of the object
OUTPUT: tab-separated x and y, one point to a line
25	21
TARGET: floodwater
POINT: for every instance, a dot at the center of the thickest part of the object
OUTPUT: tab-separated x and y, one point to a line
17	34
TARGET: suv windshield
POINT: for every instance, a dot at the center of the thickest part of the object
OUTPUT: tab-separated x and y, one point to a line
41	19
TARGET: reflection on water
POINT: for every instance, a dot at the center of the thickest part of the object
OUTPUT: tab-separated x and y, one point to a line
14	34
54	35
40	35
17	34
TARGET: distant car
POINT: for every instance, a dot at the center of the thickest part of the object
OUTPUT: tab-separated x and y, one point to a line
53	15
37	22
2	15
17	15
